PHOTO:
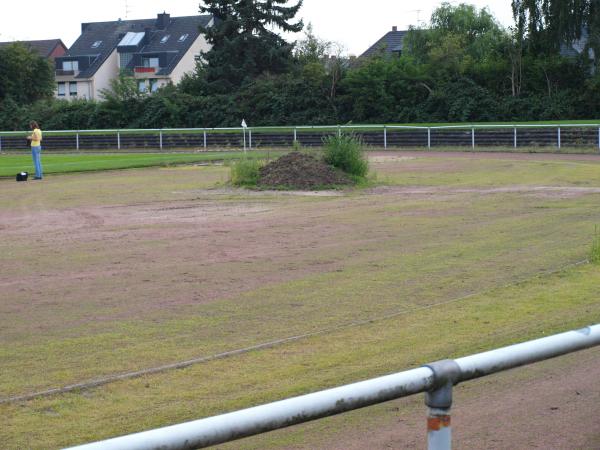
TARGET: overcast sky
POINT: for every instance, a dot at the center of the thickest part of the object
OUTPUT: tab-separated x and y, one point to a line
353	24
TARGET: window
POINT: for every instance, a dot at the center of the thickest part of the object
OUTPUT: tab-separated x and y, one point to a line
183	37
153	85
71	65
150	62
142	85
73	89
96	44
165	39
61	89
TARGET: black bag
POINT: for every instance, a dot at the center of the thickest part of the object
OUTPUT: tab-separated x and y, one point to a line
22	176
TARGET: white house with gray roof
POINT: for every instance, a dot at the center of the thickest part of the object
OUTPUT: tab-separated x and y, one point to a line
154	51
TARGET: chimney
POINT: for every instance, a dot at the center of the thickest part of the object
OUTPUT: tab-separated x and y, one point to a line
162	20
394	28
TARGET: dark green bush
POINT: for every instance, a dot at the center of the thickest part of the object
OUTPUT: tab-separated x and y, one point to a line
345	151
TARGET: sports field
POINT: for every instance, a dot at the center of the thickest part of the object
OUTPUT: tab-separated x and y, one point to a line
109	273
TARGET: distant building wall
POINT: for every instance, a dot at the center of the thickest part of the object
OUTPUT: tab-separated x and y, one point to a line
108	71
188	62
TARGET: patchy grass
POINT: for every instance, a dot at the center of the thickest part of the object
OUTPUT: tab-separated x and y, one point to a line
442	274
486	172
498	317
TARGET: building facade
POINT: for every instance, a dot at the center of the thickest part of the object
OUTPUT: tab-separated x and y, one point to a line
153	51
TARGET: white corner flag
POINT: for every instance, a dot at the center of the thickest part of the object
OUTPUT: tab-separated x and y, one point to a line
244	125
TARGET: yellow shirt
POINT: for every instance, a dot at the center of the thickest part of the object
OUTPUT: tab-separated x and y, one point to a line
36	137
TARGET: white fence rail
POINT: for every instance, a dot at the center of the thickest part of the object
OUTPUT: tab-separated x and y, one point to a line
436	380
381	136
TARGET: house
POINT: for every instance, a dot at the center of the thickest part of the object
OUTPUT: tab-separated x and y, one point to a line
391	44
153	51
49	48
578	46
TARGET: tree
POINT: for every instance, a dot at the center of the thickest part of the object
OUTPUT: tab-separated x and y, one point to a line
475	33
123	101
244	44
548	23
24	75
461	42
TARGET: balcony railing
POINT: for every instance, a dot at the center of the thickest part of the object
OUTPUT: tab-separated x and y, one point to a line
141	69
65	73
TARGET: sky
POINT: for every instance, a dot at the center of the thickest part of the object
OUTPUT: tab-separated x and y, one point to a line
346	22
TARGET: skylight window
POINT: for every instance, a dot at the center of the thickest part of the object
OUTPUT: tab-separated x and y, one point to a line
183	37
132	39
165	39
96	44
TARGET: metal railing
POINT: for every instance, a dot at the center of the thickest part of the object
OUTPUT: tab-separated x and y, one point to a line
377	136
436	380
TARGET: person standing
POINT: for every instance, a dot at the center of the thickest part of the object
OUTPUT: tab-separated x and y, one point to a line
36	148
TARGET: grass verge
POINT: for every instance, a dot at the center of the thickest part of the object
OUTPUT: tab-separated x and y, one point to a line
54	164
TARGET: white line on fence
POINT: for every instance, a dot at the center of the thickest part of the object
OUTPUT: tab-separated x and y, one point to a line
546	139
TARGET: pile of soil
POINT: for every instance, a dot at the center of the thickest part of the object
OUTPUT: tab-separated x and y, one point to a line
300	171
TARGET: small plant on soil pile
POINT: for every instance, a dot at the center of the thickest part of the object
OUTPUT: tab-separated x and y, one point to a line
345	151
595	251
246	172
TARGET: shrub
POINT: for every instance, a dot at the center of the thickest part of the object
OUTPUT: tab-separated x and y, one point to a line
595	250
245	172
345	151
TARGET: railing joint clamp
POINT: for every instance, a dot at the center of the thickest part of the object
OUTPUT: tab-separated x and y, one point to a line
446	373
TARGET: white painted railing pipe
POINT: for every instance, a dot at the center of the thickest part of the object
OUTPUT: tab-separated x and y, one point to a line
486	363
436	379
247	422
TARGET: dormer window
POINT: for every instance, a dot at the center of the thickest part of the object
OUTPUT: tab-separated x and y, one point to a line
96	44
70	65
183	37
151	62
165	39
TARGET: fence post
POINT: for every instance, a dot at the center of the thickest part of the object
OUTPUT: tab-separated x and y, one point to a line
204	139
473	138
339	131
446	373
77	140
296	135
429	138
385	137
118	140
558	137
515	138
160	139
